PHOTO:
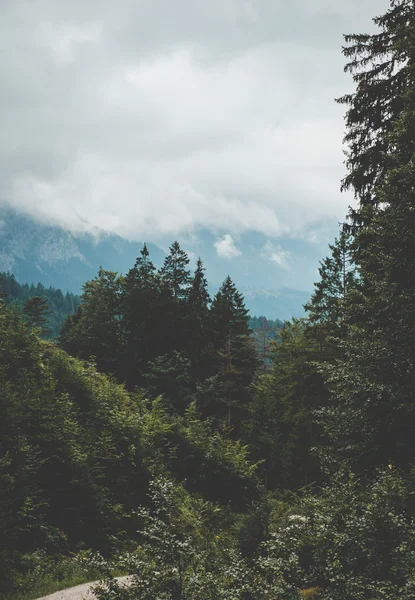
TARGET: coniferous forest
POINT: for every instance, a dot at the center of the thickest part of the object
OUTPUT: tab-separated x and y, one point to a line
160	438
46	308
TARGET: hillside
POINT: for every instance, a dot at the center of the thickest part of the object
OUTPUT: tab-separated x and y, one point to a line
59	305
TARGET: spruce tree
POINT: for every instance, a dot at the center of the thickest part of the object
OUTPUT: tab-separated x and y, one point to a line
143	317
141	278
373	385
175	274
235	359
96	329
196	326
198	297
175	279
330	303
228	313
382	69
36	311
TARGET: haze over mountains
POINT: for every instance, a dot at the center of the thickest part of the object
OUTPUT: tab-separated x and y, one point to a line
35	252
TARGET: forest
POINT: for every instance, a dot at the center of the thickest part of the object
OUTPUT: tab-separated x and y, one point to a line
158	437
44	307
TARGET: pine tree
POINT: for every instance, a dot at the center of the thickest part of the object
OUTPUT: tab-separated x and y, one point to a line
373	385
228	314
196	326
381	66
329	305
198	297
175	274
143	317
96	329
141	279
36	311
235	359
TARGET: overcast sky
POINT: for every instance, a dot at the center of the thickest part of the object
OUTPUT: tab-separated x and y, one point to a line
160	117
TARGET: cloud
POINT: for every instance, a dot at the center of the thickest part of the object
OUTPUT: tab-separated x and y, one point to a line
277	255
225	247
152	120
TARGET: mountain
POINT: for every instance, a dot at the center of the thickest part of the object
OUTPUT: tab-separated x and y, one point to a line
36	252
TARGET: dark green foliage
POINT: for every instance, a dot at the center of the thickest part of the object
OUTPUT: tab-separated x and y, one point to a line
357	536
281	428
381	65
60	305
328	306
196	324
96	328
175	274
158	331
146	319
180	557
351	541
198	297
64	446
228	314
77	452
234	361
373	426
170	376
36	311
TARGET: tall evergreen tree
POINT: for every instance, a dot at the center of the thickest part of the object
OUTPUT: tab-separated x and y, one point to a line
144	306
96	330
175	273
176	280
198	297
330	302
36	311
374	384
228	314
235	358
381	66
196	325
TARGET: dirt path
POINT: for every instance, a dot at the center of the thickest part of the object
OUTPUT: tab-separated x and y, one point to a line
80	592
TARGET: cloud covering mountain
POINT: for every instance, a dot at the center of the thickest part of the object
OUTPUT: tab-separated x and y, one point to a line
157	118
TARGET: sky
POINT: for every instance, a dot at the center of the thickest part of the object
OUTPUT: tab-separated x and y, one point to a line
191	119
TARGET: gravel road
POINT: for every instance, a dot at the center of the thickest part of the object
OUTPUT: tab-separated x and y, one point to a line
80	592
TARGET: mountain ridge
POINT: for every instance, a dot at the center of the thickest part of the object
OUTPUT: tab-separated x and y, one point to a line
37	252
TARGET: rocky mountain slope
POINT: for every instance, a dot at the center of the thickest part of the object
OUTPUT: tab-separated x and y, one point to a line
37	252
